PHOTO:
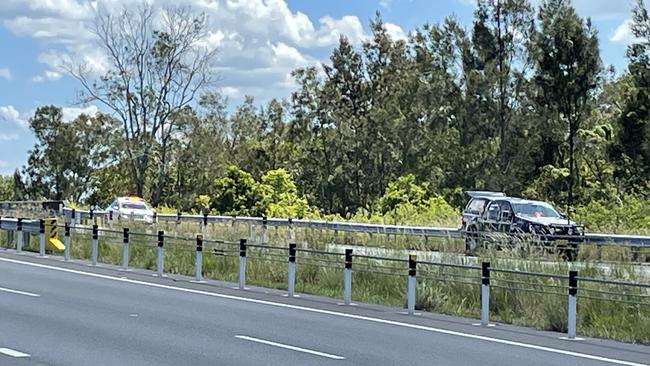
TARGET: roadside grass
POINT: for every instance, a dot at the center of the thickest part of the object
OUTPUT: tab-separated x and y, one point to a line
607	311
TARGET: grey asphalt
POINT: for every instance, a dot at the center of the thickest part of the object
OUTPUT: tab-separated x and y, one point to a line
84	320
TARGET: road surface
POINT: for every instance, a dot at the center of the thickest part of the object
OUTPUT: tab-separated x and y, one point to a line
68	314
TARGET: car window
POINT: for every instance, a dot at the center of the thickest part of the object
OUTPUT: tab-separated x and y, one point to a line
134	206
493	211
535	209
476	206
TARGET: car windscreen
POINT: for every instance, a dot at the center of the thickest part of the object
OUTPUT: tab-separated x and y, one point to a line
534	209
134	206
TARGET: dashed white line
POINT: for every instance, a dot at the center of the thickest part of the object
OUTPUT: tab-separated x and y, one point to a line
293	348
12	291
338	314
13	353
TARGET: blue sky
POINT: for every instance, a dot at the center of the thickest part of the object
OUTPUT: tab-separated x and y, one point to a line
260	42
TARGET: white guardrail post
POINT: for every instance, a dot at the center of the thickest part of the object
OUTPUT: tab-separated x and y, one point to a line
572	310
347	278
19	235
95	248
411	285
291	269
160	254
242	264
66	242
125	249
485	294
198	261
41	238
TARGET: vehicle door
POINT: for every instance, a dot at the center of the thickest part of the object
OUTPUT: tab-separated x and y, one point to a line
506	217
490	222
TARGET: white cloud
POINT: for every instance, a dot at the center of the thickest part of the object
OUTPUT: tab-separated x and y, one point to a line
8	136
70	113
260	41
48	75
9	114
395	31
623	34
5	73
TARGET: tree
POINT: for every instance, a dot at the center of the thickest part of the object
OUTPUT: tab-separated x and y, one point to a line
61	164
155	70
567	72
632	152
6	188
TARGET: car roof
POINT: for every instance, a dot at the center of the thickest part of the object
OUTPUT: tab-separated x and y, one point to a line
522	201
485	194
130	199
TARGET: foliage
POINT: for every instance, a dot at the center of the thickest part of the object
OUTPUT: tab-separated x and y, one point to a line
6	188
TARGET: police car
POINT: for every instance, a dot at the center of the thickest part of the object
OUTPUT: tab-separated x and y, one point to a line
130	208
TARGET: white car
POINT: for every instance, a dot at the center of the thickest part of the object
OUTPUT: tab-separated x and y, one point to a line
130	208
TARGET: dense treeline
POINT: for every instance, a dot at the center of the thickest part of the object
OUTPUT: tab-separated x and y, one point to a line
519	102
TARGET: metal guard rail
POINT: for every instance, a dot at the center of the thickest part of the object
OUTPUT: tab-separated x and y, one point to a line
593	238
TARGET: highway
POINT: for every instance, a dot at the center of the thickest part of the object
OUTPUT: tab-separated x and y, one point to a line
68	314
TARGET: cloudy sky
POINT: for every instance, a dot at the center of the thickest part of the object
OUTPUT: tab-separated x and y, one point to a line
260	42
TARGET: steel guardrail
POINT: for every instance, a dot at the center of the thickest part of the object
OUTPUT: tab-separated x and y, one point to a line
423	231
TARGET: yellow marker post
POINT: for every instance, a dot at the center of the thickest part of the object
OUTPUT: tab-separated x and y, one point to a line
52	241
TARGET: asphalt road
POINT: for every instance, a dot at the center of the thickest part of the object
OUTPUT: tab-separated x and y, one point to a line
66	314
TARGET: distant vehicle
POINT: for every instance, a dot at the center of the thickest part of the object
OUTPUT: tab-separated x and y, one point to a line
130	208
503	218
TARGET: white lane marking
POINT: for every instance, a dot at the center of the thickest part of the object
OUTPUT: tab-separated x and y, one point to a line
13	353
18	292
293	348
336	313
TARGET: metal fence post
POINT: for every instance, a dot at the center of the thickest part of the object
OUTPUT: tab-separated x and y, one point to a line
92	216
41	238
410	291
155	217
347	278
573	291
66	242
291	285
125	248
73	217
160	255
94	245
198	262
242	264
110	219
19	235
485	294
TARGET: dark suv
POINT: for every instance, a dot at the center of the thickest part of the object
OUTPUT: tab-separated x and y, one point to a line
476	206
505	218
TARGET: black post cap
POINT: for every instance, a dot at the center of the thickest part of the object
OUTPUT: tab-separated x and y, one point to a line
95	230
199	243
573	283
485	273
242	247
161	238
292	253
412	265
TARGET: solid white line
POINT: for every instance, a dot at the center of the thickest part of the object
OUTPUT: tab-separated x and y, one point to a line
18	292
293	348
13	353
336	313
